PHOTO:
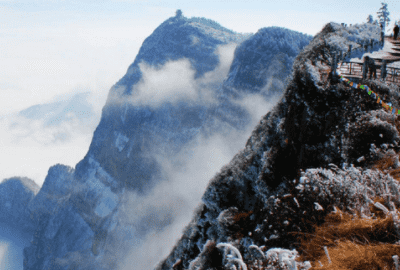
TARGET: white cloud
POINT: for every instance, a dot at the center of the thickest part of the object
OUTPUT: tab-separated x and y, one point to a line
12	243
26	150
30	146
3	252
257	105
190	171
178	197
225	54
175	81
181	194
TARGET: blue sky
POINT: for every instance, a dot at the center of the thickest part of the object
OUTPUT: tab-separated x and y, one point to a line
50	49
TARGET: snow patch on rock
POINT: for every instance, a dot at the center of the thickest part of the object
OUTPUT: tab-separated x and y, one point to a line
107	203
120	141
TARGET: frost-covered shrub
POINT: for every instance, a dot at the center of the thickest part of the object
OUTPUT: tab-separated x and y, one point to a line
281	259
227	217
231	256
352	187
256	252
373	127
209	257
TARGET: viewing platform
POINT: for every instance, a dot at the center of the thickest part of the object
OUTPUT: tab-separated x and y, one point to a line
353	69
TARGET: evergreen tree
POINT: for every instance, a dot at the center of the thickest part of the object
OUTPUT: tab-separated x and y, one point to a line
383	15
370	19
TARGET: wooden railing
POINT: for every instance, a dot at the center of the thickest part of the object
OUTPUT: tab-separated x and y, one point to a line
394	75
353	69
356	69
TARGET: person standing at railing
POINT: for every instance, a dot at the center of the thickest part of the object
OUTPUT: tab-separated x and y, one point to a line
396	31
371	66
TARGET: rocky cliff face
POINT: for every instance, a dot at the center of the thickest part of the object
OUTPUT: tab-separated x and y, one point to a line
128	131
323	164
80	214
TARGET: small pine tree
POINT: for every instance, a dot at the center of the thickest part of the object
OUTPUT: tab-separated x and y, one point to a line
383	15
370	19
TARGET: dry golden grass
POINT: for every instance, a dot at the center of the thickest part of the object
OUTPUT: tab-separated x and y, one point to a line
387	164
352	243
355	243
241	216
353	256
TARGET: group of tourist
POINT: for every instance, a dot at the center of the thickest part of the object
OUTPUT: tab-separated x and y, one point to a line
371	67
395	31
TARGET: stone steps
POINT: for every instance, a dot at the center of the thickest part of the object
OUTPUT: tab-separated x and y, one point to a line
390	57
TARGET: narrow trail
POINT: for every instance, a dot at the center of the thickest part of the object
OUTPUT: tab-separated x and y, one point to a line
351	73
390	53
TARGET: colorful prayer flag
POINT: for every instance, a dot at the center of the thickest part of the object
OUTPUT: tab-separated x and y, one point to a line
387	106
